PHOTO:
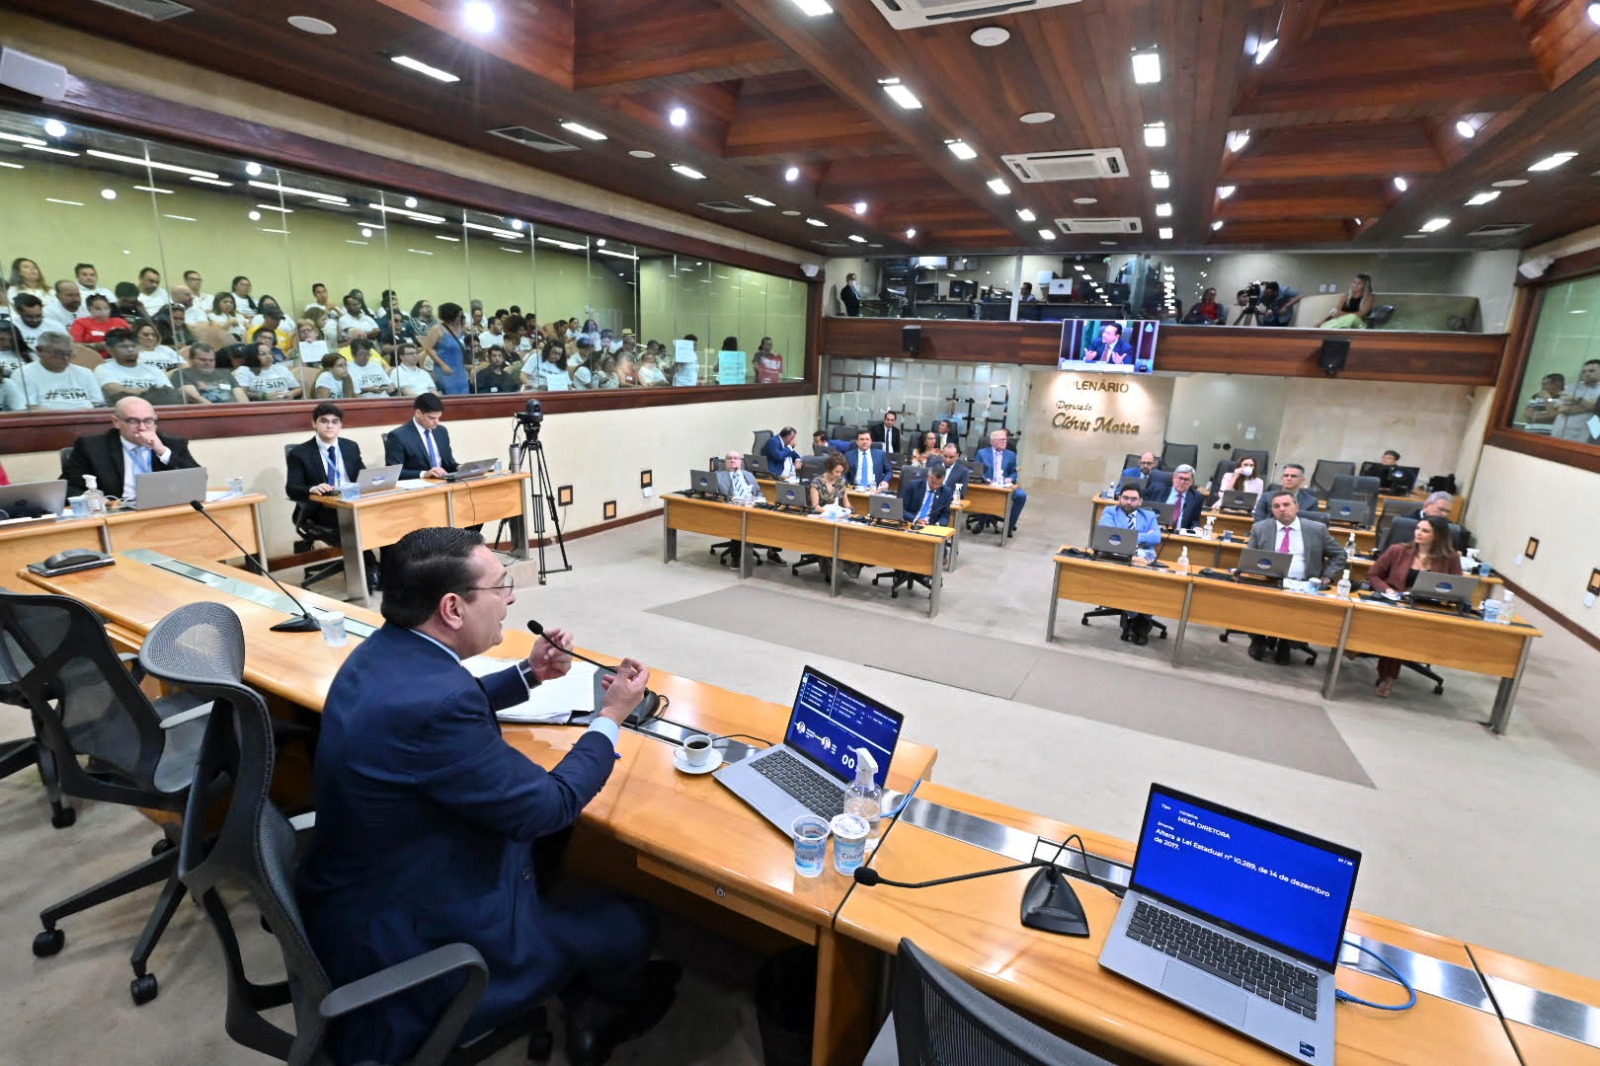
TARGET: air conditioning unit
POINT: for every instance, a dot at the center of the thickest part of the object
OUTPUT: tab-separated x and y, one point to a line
532	138
154	10
917	14
1499	229
1082	164
1100	225
727	207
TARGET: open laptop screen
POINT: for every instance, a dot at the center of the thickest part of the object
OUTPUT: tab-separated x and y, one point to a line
1266	881
830	720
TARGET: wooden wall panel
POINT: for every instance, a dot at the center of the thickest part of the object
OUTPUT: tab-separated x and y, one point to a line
1375	355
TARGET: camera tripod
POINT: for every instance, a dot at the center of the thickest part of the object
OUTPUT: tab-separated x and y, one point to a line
526	449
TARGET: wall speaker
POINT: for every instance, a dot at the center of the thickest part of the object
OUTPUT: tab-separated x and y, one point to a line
1534	269
911	339
29	74
1333	355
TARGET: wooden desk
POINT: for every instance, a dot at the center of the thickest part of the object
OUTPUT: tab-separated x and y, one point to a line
684	830
380	519
1240	524
914	551
173	530
972	928
1520	988
1128	587
859	502
994	501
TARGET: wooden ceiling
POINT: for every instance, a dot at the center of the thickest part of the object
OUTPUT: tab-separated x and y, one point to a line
1354	94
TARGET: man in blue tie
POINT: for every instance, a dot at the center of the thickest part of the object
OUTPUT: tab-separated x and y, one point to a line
1130	514
869	467
421	447
927	500
133	446
321	466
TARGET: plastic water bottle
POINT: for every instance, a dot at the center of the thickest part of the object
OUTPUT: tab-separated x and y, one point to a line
1506	608
1491	609
864	797
1183	560
1350	548
93	499
1344	585
1210	527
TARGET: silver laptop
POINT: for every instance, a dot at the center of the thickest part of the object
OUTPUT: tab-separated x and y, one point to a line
1348	512
1458	589
166	488
810	770
1257	562
378	479
1118	541
475	469
1237	919
47	496
1238	502
886	507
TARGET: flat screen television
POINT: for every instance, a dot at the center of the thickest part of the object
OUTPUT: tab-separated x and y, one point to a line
938	261
1111	345
964	290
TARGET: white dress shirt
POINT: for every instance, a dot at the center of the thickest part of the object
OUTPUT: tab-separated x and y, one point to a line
1297	548
131	458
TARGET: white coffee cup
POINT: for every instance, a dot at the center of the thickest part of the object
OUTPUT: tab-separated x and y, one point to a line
697	750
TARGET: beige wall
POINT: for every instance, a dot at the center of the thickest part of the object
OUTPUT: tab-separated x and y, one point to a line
599	453
1357	420
1077	462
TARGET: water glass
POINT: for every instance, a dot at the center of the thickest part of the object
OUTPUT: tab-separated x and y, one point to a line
810	844
79	507
333	632
1484	569
849	842
236	486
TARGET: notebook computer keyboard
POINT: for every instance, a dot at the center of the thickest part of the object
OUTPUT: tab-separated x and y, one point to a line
1235	962
818	795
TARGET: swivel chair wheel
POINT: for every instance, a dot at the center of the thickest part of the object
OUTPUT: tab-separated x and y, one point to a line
143	988
161	847
48	942
1083	621
1223	636
62	817
1438	690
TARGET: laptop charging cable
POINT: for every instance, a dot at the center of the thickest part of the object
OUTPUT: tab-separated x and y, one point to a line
1342	996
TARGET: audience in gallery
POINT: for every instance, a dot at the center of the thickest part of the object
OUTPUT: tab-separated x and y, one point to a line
1352	311
1206	311
452	352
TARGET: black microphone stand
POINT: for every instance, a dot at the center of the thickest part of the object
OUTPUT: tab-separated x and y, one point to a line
305	623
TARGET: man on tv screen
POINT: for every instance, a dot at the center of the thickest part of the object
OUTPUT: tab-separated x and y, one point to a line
1110	348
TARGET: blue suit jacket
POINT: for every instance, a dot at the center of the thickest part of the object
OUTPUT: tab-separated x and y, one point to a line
879	461
1008	464
406	447
776	452
911	499
1159	481
425	820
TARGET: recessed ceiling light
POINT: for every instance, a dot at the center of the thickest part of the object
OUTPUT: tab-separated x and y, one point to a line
1401	184
478	16
1550	162
990	36
108	194
212	181
254	216
792	174
1594	14
678	116
1165	233
1160	179
900	94
860	207
366	232
760	201
19	139
1482	198
1237	139
279	210
961	149
1047	234
1414	236
1216	225
1034	118
136	161
640	153
1024	214
253	169
180	218
64	203
1434	224
154	189
1264	49
55	127
583	131
442	237
307	24
52	151
326	197
1146	67
998	186
792	214
687	171
858	240
1109	244
422	68
411	201
1085	200
911	234
1466	129
516	224
1155	134
814	7
1509	183
817	222
1163	210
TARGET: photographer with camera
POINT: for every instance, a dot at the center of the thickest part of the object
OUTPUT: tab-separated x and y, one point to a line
1275	305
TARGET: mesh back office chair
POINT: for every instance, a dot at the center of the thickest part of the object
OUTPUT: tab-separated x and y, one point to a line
939	1018
1325	471
201	647
137	753
310	530
1354	487
18	755
761	438
1263	467
1175	455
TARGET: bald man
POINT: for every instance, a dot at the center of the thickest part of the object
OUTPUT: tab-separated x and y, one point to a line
132	446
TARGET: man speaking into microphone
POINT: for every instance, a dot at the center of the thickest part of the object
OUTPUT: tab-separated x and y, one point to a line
427	820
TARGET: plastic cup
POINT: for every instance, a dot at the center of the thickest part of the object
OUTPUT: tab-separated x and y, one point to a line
810	834
333	632
849	842
236	486
79	507
1484	569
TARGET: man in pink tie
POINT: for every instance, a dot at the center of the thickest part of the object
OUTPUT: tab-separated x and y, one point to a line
1312	551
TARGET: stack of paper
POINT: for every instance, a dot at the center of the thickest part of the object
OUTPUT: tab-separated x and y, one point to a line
553	701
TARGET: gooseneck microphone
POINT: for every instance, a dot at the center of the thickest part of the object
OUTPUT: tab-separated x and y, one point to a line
1049	903
866	875
538	630
305	623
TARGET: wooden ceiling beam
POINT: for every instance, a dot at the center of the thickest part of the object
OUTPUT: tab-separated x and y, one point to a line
536	35
769	126
653	44
1328	152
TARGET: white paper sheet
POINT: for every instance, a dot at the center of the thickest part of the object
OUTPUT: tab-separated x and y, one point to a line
553	701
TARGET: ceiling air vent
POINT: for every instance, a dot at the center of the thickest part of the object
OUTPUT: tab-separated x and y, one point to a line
914	14
727	207
1100	225
154	10
1086	164
1499	229
530	138
831	244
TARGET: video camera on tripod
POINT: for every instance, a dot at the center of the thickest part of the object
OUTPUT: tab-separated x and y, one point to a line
527	450
530	419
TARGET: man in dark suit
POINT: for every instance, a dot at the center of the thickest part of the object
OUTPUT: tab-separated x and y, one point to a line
888	435
319	467
1292	479
868	468
1153	481
947	433
1000	468
850	297
779	450
429	823
927	500
956	474
131	447
1185	498
1313	550
422	446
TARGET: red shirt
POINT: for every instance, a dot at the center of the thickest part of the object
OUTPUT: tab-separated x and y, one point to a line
769	368
3	479
93	331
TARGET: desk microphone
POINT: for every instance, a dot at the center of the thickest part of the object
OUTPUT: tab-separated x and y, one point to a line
1049	902
649	705
305	623
866	875
538	630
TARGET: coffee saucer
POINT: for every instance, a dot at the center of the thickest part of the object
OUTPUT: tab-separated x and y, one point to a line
680	759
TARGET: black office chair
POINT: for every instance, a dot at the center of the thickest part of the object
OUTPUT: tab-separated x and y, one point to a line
88	704
1176	455
1402	529
905	579
255	850
1117	612
1355	487
938	1018
17	755
728	552
1325	471
1263	467
310	531
761	438
1379	316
